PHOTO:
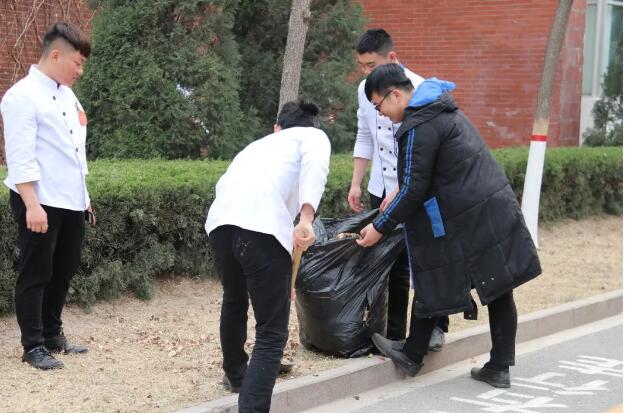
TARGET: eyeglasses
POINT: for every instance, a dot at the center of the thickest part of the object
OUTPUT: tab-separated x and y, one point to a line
377	107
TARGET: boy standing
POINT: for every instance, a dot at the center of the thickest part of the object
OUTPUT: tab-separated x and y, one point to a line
376	143
45	131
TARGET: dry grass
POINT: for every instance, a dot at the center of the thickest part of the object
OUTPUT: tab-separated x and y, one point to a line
164	354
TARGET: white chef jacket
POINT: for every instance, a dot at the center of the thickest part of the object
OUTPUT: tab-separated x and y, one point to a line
269	181
45	142
375	141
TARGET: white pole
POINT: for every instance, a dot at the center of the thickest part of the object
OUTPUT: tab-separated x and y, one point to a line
532	185
541	122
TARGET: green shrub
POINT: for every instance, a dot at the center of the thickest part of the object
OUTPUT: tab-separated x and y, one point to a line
577	182
151	214
201	78
162	81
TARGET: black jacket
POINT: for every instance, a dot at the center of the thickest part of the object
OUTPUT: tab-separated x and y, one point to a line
463	225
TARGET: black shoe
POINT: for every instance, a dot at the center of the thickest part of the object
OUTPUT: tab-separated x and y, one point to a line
394	350
40	358
60	344
500	379
397	344
229	386
285	366
437	339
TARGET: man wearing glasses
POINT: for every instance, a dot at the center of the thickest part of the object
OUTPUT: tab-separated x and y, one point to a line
375	142
463	226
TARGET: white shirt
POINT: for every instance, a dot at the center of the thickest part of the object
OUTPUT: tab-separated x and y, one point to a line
45	142
269	181
375	141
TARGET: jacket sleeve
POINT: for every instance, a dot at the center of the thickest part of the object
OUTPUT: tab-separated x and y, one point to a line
20	138
314	165
364	143
420	155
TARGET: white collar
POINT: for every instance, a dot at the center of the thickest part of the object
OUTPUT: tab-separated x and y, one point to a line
43	78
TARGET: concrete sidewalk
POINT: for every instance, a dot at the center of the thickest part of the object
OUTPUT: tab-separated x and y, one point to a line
360	375
576	370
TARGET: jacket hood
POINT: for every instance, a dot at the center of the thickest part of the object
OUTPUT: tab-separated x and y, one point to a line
430	98
429	91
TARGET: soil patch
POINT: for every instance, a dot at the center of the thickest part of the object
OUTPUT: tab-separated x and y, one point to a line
164	354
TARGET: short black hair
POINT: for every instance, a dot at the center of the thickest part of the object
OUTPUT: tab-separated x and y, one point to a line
375	41
69	33
386	77
298	114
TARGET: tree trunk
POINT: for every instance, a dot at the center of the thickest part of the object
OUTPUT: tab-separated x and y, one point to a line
541	122
292	63
550	65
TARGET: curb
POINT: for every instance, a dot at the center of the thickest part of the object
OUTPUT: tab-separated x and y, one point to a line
363	374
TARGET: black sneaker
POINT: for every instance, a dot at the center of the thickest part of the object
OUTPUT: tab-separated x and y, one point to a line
229	386
40	358
394	350
437	338
500	379
285	366
60	344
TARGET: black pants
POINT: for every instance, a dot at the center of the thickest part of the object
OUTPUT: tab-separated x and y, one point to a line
502	324
47	264
255	265
399	286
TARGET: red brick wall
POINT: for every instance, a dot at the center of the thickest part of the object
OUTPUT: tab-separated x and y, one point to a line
22	26
493	50
571	75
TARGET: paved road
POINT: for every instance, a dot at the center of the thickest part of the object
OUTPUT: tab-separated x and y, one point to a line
577	371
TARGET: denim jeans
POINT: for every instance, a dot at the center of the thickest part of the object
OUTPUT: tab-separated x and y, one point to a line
255	265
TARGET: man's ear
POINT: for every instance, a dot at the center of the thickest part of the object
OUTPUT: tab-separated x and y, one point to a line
400	96
277	128
54	55
392	57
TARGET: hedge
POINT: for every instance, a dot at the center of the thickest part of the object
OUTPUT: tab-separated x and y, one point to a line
151	214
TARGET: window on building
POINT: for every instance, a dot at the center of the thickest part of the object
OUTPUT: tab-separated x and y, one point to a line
603	30
590	46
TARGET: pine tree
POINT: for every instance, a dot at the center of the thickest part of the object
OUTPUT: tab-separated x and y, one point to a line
162	81
335	25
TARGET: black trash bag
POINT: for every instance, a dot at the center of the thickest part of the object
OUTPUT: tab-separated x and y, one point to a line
341	288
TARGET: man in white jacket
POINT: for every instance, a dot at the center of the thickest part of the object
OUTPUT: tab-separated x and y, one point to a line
375	142
251	231
44	131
